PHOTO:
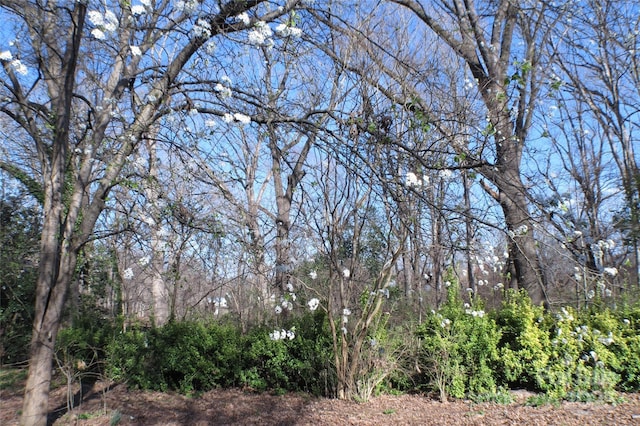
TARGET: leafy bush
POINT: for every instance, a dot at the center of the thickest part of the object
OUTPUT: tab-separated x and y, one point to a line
580	356
627	347
524	341
84	343
580	360
462	352
194	357
19	248
186	356
127	359
297	364
459	348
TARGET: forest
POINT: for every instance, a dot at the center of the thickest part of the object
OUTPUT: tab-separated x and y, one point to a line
337	197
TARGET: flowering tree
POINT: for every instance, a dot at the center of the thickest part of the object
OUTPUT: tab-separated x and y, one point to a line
85	84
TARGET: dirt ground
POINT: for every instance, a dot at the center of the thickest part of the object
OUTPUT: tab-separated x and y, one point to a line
116	405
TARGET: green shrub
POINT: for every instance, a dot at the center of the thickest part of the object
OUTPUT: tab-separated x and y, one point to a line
193	357
462	352
187	357
297	364
581	363
459	348
83	345
627	347
524	341
19	247
128	359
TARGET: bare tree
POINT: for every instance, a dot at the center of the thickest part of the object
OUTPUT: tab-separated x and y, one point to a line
598	66
500	45
353	289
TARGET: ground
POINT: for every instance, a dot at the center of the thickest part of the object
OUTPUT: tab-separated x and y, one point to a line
115	404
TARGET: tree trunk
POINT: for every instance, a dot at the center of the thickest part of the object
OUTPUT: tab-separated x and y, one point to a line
522	246
52	286
36	395
58	255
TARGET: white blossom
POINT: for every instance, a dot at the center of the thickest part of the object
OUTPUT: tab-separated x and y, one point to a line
244	119
19	67
313	275
135	51
210	47
202	28
287	305
138	10
264	28
6	56
278	310
110	21
282	29
244	18
285	30
346	273
313	304
227	118
188	7
565	315
411	180
445	174
128	274
146	3
282	334
224	91
256	38
260	34
97	33
210	123
274	335
95	17
144	260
